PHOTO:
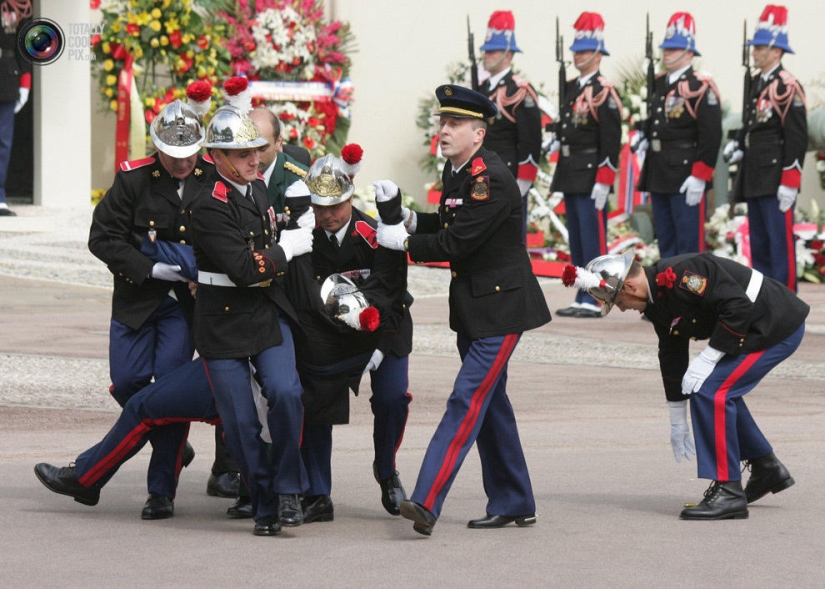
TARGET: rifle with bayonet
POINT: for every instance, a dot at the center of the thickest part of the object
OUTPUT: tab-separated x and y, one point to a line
746	91
472	54
562	67
650	81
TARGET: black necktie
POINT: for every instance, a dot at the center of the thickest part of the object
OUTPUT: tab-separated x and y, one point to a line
249	192
334	241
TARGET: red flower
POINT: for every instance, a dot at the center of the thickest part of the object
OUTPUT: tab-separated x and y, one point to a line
309	143
235	85
94	4
369	318
816	245
187	64
119	51
95	39
666	278
133	29
176	39
352	153
293	133
199	91
562	256
150	116
203	42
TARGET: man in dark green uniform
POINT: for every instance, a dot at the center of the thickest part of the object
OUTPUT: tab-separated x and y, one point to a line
279	169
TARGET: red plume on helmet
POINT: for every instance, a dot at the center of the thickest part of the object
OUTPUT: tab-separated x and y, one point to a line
351	154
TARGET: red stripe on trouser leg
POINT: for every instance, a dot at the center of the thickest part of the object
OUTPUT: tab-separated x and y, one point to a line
790	247
469	421
720	417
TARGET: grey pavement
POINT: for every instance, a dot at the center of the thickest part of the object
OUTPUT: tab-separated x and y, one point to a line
592	419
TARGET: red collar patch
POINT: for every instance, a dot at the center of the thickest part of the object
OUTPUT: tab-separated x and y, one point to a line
366	231
208	158
135	164
220	191
477	167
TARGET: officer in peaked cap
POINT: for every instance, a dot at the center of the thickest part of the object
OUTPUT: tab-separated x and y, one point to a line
683	134
494	298
515	134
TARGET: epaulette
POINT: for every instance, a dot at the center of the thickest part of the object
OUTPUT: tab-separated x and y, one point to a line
477	167
297	170
220	191
368	232
135	164
605	82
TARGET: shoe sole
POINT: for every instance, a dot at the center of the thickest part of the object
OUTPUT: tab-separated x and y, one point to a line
522	522
320	519
266	532
778	488
154	517
81	500
413	512
734	515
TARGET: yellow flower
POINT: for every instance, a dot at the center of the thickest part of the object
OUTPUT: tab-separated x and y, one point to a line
187	38
113	105
164	40
111	80
154	42
108	65
190	54
156	13
109	92
143	18
172	25
166	3
201	72
138	52
155	25
107	48
149	102
116	26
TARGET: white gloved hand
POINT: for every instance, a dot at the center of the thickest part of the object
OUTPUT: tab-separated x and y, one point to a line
22	99
523	186
410	219
553	146
681	442
375	361
168	272
599	194
385	190
694	189
700	369
639	143
786	196
732	154
307	219
296	242
392	236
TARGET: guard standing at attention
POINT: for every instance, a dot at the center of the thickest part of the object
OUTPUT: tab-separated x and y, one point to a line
589	140
772	149
682	134
494	298
515	133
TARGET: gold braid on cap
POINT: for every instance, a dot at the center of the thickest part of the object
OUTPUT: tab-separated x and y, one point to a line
247	131
325	184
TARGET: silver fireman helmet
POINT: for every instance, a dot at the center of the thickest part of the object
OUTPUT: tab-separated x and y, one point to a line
343	300
232	129
328	183
176	131
612	269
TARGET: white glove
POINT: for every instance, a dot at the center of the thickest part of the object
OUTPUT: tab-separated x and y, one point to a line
307	219
523	186
168	272
681	442
385	190
375	361
639	143
694	189
410	219
700	369
553	146
392	236
732	153
786	196
296	242
599	194
22	99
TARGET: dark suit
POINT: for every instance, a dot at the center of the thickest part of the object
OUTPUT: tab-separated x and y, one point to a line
774	142
242	316
756	321
684	132
494	297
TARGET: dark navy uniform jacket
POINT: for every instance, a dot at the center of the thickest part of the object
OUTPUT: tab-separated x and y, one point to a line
684	132
775	138
478	229
591	136
143	198
234	236
702	296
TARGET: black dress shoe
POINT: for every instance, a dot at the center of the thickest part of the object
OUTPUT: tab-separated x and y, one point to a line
187	456
582	313
64	481
768	475
289	510
158	507
318	508
241	509
423	520
392	492
7	212
723	500
267	526
223	485
568	312
499	521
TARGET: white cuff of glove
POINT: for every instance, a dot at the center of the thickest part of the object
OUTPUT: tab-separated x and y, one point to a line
678	412
392	236
375	361
681	441
700	369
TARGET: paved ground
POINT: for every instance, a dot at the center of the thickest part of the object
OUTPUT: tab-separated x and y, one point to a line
591	415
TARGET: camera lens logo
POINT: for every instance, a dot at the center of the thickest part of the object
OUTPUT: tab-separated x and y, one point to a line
41	41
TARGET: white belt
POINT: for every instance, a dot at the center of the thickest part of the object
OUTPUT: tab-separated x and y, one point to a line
754	285
216	279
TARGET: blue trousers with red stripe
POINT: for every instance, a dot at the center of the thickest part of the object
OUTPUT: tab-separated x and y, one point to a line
723	428
390	403
176	399
773	246
587	234
478	410
679	228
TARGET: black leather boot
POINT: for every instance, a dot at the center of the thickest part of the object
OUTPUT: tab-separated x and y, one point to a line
768	475
723	500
